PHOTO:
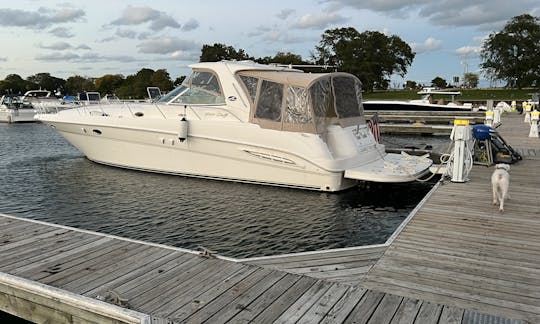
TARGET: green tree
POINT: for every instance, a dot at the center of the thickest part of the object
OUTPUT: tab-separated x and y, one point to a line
77	83
511	55
13	83
178	81
372	56
162	80
410	85
282	58
46	81
219	52
439	82
470	80
109	83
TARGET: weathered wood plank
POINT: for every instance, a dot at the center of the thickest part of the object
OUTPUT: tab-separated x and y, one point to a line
386	309
200	301
364	309
302	304
284	302
451	315
323	306
407	311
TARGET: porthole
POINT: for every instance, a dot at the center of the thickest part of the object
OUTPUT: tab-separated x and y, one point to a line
96	131
139	114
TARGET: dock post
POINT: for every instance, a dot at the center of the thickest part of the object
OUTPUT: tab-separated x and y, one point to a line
527	108
461	157
535	116
489	118
496	115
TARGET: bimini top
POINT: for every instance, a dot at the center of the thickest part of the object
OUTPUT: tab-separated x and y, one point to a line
302	102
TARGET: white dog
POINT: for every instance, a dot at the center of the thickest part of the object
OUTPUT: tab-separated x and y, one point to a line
500	180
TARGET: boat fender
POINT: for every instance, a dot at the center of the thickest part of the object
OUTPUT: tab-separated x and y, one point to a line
183	130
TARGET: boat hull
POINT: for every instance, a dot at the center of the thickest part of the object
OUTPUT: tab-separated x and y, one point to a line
197	156
17	115
408	106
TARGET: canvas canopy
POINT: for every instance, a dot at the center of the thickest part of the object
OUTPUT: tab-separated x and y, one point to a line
303	102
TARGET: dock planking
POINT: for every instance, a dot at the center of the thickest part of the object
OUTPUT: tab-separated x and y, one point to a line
161	284
459	250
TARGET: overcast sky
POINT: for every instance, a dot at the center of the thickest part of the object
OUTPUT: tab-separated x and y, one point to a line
93	38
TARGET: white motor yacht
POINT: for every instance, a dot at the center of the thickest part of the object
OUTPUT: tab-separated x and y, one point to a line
13	109
425	103
241	121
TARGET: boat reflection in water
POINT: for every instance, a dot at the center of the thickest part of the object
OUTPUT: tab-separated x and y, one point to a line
245	122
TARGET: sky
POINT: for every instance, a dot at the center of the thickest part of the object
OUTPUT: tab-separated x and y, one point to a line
94	38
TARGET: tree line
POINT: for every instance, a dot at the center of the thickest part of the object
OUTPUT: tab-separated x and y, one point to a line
511	55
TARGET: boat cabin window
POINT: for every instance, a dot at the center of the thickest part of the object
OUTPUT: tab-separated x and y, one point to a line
347	93
320	98
201	88
270	101
251	85
296	107
303	102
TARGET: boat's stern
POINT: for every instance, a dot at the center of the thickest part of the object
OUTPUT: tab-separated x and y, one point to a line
391	168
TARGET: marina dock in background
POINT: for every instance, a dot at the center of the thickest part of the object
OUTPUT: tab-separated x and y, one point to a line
455	259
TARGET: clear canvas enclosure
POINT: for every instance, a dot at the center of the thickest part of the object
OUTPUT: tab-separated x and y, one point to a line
303	102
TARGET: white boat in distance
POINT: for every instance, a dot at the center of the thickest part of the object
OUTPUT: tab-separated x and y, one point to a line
14	109
426	103
246	122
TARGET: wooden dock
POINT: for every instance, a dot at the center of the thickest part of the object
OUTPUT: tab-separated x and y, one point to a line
459	250
55	274
454	260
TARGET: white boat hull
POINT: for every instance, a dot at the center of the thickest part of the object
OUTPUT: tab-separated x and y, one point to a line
162	152
17	115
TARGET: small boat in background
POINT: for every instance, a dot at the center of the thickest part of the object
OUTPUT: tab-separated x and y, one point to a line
426	103
13	109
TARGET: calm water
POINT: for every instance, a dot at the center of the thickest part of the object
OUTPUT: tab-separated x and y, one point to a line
43	177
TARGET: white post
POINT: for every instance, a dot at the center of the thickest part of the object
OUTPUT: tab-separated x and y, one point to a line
460	134
527	108
489	118
535	116
496	115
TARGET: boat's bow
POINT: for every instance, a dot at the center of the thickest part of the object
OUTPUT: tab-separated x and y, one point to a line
392	168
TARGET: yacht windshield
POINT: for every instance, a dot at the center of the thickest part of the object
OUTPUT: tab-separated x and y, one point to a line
201	88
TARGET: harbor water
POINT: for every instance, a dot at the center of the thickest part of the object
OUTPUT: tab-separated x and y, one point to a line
43	177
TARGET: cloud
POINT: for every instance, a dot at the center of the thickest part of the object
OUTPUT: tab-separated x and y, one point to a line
167	45
85	58
321	21
39	19
259	30
126	33
429	45
468	51
285	13
139	15
485	14
376	5
60	46
61	32
83	47
190	25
